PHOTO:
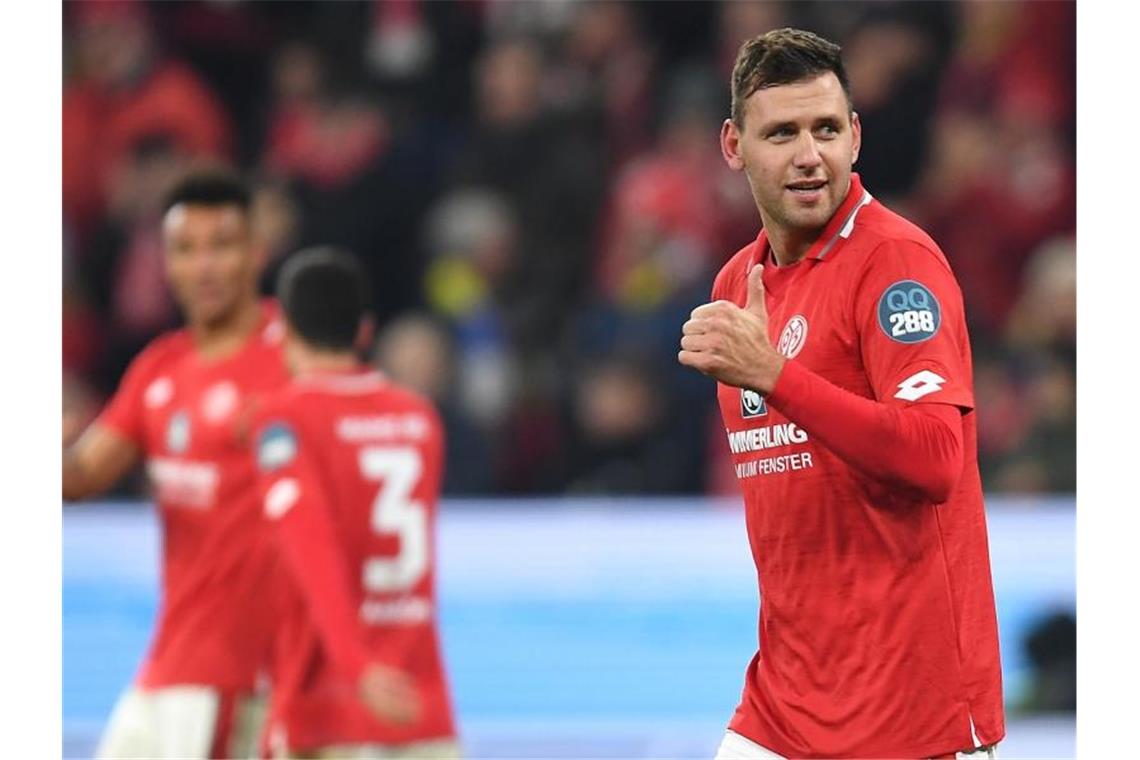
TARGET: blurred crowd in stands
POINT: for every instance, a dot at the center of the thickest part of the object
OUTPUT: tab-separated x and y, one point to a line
538	193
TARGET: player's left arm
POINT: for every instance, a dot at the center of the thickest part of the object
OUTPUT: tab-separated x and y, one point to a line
294	499
908	313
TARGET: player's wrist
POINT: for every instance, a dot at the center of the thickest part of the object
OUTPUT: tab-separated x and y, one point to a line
766	377
788	382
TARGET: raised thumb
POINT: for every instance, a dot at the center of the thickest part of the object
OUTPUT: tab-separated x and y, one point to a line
755	299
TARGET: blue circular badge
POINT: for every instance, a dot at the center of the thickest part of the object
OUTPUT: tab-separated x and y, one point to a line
909	312
277	447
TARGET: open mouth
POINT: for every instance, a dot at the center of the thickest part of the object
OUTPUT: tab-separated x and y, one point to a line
806	187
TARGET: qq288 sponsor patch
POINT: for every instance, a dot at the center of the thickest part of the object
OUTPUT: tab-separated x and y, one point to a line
909	312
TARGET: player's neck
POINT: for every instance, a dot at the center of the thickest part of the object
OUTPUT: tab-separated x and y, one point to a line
789	246
224	337
307	362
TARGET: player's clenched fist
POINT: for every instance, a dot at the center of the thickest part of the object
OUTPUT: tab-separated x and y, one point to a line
731	344
390	694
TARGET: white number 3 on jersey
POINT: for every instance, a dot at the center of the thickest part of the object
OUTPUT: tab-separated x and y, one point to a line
394	511
919	384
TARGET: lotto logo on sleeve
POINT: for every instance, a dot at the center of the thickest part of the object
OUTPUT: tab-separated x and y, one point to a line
276	448
909	312
281	497
919	384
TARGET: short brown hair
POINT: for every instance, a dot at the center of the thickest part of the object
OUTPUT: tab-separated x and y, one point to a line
783	56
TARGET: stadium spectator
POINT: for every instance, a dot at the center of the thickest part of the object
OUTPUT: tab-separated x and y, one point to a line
897	51
120	91
1002	153
228	45
276	225
418	352
551	175
604	74
620	441
297	85
359	183
124	260
473	239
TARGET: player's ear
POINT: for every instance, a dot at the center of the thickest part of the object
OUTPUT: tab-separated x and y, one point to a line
856	137
259	253
730	145
366	335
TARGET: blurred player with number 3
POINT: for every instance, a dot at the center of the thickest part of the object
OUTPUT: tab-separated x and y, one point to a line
350	475
838	339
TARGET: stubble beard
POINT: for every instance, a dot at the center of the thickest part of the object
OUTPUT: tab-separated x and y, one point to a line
796	222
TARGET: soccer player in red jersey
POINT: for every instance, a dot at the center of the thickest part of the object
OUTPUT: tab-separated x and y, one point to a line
350	467
184	407
839	344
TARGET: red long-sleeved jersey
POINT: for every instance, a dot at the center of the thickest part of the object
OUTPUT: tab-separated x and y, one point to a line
863	502
189	416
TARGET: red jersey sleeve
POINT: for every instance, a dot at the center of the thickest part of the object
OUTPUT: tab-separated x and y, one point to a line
294	498
912	327
867	434
124	412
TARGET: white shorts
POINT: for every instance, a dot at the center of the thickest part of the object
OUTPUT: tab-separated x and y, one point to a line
443	749
182	722
736	747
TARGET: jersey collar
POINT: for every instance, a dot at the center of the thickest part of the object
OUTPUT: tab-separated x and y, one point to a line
839	228
359	379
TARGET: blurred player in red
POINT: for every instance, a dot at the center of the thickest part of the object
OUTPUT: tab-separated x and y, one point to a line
845	383
350	475
184	407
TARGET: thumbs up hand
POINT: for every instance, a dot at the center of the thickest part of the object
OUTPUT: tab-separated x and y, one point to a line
731	343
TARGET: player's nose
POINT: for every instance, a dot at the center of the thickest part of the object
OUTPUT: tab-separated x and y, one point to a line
206	262
807	151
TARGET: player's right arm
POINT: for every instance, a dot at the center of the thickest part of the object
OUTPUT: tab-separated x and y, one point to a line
96	461
111	445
